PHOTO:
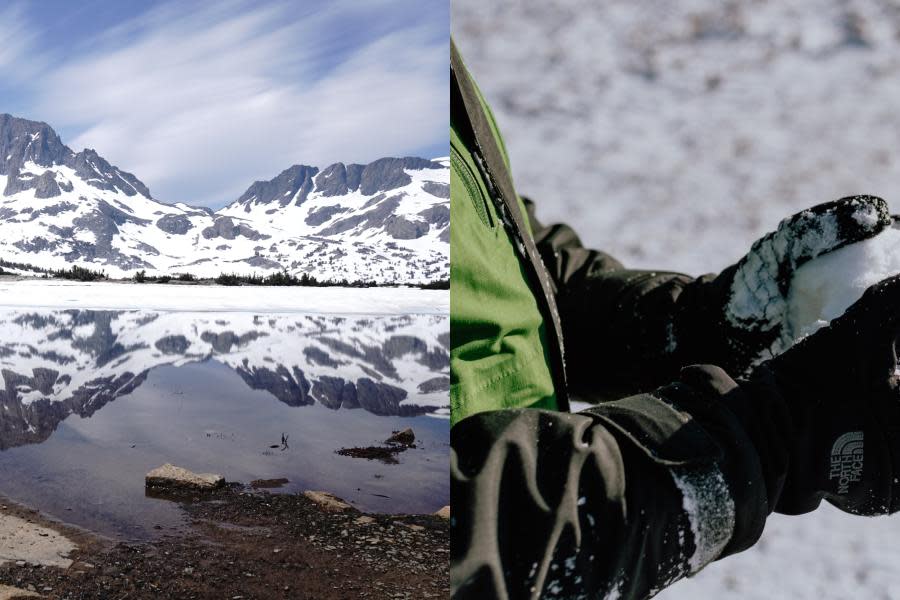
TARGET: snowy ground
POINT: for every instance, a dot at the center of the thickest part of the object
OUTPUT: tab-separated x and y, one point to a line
674	134
43	293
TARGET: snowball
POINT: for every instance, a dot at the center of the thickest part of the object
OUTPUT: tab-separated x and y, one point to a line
824	288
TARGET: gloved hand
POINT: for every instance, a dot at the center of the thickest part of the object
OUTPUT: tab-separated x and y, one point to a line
737	319
843	395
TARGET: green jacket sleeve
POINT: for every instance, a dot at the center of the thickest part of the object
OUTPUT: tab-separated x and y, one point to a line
624	321
617	501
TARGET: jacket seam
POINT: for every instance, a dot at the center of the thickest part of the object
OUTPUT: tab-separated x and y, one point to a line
523	362
476	196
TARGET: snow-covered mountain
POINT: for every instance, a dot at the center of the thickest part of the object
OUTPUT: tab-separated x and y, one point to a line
62	362
388	221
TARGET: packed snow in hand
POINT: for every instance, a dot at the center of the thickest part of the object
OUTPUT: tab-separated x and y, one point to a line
824	288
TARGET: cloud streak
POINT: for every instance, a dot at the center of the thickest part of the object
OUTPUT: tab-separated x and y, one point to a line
198	102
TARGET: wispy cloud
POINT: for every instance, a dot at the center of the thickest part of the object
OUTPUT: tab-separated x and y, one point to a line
200	99
18	57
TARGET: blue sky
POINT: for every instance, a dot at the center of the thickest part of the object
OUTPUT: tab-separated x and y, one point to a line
199	99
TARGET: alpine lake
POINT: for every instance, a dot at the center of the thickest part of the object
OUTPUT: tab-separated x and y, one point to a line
91	400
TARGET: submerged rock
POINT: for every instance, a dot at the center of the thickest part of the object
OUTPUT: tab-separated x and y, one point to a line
171	477
269	483
405	437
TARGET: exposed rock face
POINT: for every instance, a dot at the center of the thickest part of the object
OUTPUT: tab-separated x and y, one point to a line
24	141
332	181
174	224
438	215
224	227
400	228
441	190
321	215
436	384
375	217
389	173
45	186
295	181
261	261
171	477
93	168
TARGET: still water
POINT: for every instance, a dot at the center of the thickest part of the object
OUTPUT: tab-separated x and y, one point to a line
92	400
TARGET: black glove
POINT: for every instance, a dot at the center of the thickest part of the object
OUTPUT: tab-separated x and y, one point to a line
842	392
737	319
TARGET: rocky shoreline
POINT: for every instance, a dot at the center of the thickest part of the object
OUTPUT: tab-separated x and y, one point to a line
241	543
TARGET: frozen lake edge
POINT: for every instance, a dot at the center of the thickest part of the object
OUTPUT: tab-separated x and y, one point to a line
55	293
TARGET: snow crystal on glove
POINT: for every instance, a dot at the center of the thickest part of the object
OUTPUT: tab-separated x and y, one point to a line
763	280
757	300
709	507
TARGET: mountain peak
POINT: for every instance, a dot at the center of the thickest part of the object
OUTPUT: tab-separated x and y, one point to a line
22	140
293	182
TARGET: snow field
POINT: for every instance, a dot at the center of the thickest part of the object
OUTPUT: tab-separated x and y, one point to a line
51	293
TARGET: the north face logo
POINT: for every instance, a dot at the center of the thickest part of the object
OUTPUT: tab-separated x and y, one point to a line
847	460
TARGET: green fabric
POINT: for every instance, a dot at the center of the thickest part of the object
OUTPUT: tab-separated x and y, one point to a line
498	357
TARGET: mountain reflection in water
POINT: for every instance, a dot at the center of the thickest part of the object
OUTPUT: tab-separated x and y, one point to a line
58	363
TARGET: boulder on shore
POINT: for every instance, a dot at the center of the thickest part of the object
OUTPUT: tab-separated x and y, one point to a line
444	513
171	477
12	593
327	501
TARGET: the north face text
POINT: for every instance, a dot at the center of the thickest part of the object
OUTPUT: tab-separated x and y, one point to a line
847	460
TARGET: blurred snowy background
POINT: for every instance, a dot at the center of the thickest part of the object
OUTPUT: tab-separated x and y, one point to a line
673	135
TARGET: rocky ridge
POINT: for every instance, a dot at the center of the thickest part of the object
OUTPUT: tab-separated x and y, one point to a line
386	221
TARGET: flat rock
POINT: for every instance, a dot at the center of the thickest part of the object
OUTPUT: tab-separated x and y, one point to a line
11	593
170	476
33	544
444	513
328	501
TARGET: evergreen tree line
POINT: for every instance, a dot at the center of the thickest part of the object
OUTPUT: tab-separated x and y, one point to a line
282	278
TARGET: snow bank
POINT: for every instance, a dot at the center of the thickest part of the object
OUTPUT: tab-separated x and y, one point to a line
824	288
41	293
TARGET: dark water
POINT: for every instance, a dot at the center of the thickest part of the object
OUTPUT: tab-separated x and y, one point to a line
94	400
